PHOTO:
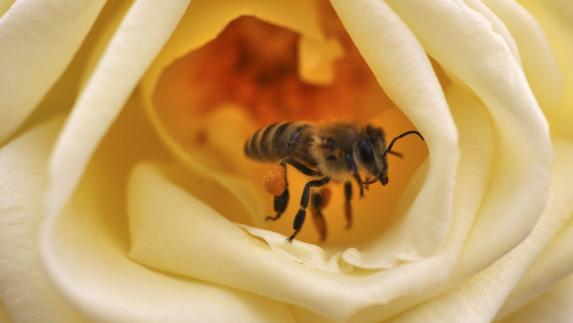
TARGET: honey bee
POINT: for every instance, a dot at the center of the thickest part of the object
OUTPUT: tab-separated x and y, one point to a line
331	152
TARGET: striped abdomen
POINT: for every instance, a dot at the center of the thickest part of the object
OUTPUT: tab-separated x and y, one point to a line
279	141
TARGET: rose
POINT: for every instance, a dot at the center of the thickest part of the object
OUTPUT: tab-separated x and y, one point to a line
466	233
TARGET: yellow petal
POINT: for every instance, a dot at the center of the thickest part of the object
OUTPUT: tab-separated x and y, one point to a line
556	260
37	41
5	5
483	61
496	24
539	62
141	35
85	250
431	276
402	68
556	23
25	290
480	298
552	306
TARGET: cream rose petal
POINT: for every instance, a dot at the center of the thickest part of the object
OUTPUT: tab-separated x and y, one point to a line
554	263
481	59
480	298
538	60
141	35
402	68
554	19
497	25
85	247
553	306
38	38
24	288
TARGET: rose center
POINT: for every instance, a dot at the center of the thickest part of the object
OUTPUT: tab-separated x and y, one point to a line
255	73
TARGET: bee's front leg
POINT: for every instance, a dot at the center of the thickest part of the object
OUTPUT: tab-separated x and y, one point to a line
301	214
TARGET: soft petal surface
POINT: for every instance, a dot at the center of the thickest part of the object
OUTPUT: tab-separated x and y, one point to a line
482	60
25	291
401	67
553	306
480	298
85	248
37	41
554	19
539	61
141	35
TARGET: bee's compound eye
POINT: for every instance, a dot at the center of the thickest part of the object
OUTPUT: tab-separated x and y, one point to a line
365	151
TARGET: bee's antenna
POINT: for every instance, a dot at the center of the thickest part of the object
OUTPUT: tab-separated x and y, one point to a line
389	149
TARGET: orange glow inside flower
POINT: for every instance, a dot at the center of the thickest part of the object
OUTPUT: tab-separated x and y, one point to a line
213	98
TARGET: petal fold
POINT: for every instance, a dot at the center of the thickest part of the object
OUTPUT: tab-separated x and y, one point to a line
402	68
464	44
38	39
25	289
141	35
85	249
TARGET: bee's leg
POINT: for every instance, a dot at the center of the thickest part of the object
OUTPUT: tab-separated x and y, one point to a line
301	214
302	168
281	201
318	201
347	205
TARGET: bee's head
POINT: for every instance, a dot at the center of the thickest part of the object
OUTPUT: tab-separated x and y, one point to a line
371	152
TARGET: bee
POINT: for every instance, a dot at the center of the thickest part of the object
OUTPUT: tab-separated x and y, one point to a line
329	152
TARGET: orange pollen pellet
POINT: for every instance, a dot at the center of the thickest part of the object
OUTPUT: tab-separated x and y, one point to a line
275	180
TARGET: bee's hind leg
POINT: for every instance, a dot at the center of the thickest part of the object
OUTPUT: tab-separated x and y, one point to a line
318	201
280	201
347	205
301	214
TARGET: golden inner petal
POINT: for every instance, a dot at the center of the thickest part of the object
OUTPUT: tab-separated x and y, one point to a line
212	99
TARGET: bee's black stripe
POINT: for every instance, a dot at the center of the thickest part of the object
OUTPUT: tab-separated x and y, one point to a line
266	142
279	142
255	140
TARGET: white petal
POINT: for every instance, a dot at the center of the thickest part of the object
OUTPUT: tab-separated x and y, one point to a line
38	38
24	288
141	35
